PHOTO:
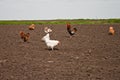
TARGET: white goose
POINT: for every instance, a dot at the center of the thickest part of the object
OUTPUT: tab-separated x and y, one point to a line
51	43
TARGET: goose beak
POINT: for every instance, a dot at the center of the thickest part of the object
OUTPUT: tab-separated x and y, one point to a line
59	43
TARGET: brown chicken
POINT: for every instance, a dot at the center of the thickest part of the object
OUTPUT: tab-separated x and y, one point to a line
71	31
24	36
111	31
32	27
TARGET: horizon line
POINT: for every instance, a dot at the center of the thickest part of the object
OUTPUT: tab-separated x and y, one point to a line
58	19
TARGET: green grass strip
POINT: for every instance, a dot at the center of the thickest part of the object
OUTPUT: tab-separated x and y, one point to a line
60	21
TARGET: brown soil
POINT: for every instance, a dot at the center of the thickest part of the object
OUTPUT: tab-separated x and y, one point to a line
91	54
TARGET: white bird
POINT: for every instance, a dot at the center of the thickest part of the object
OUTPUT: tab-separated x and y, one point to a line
47	30
51	43
47	36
